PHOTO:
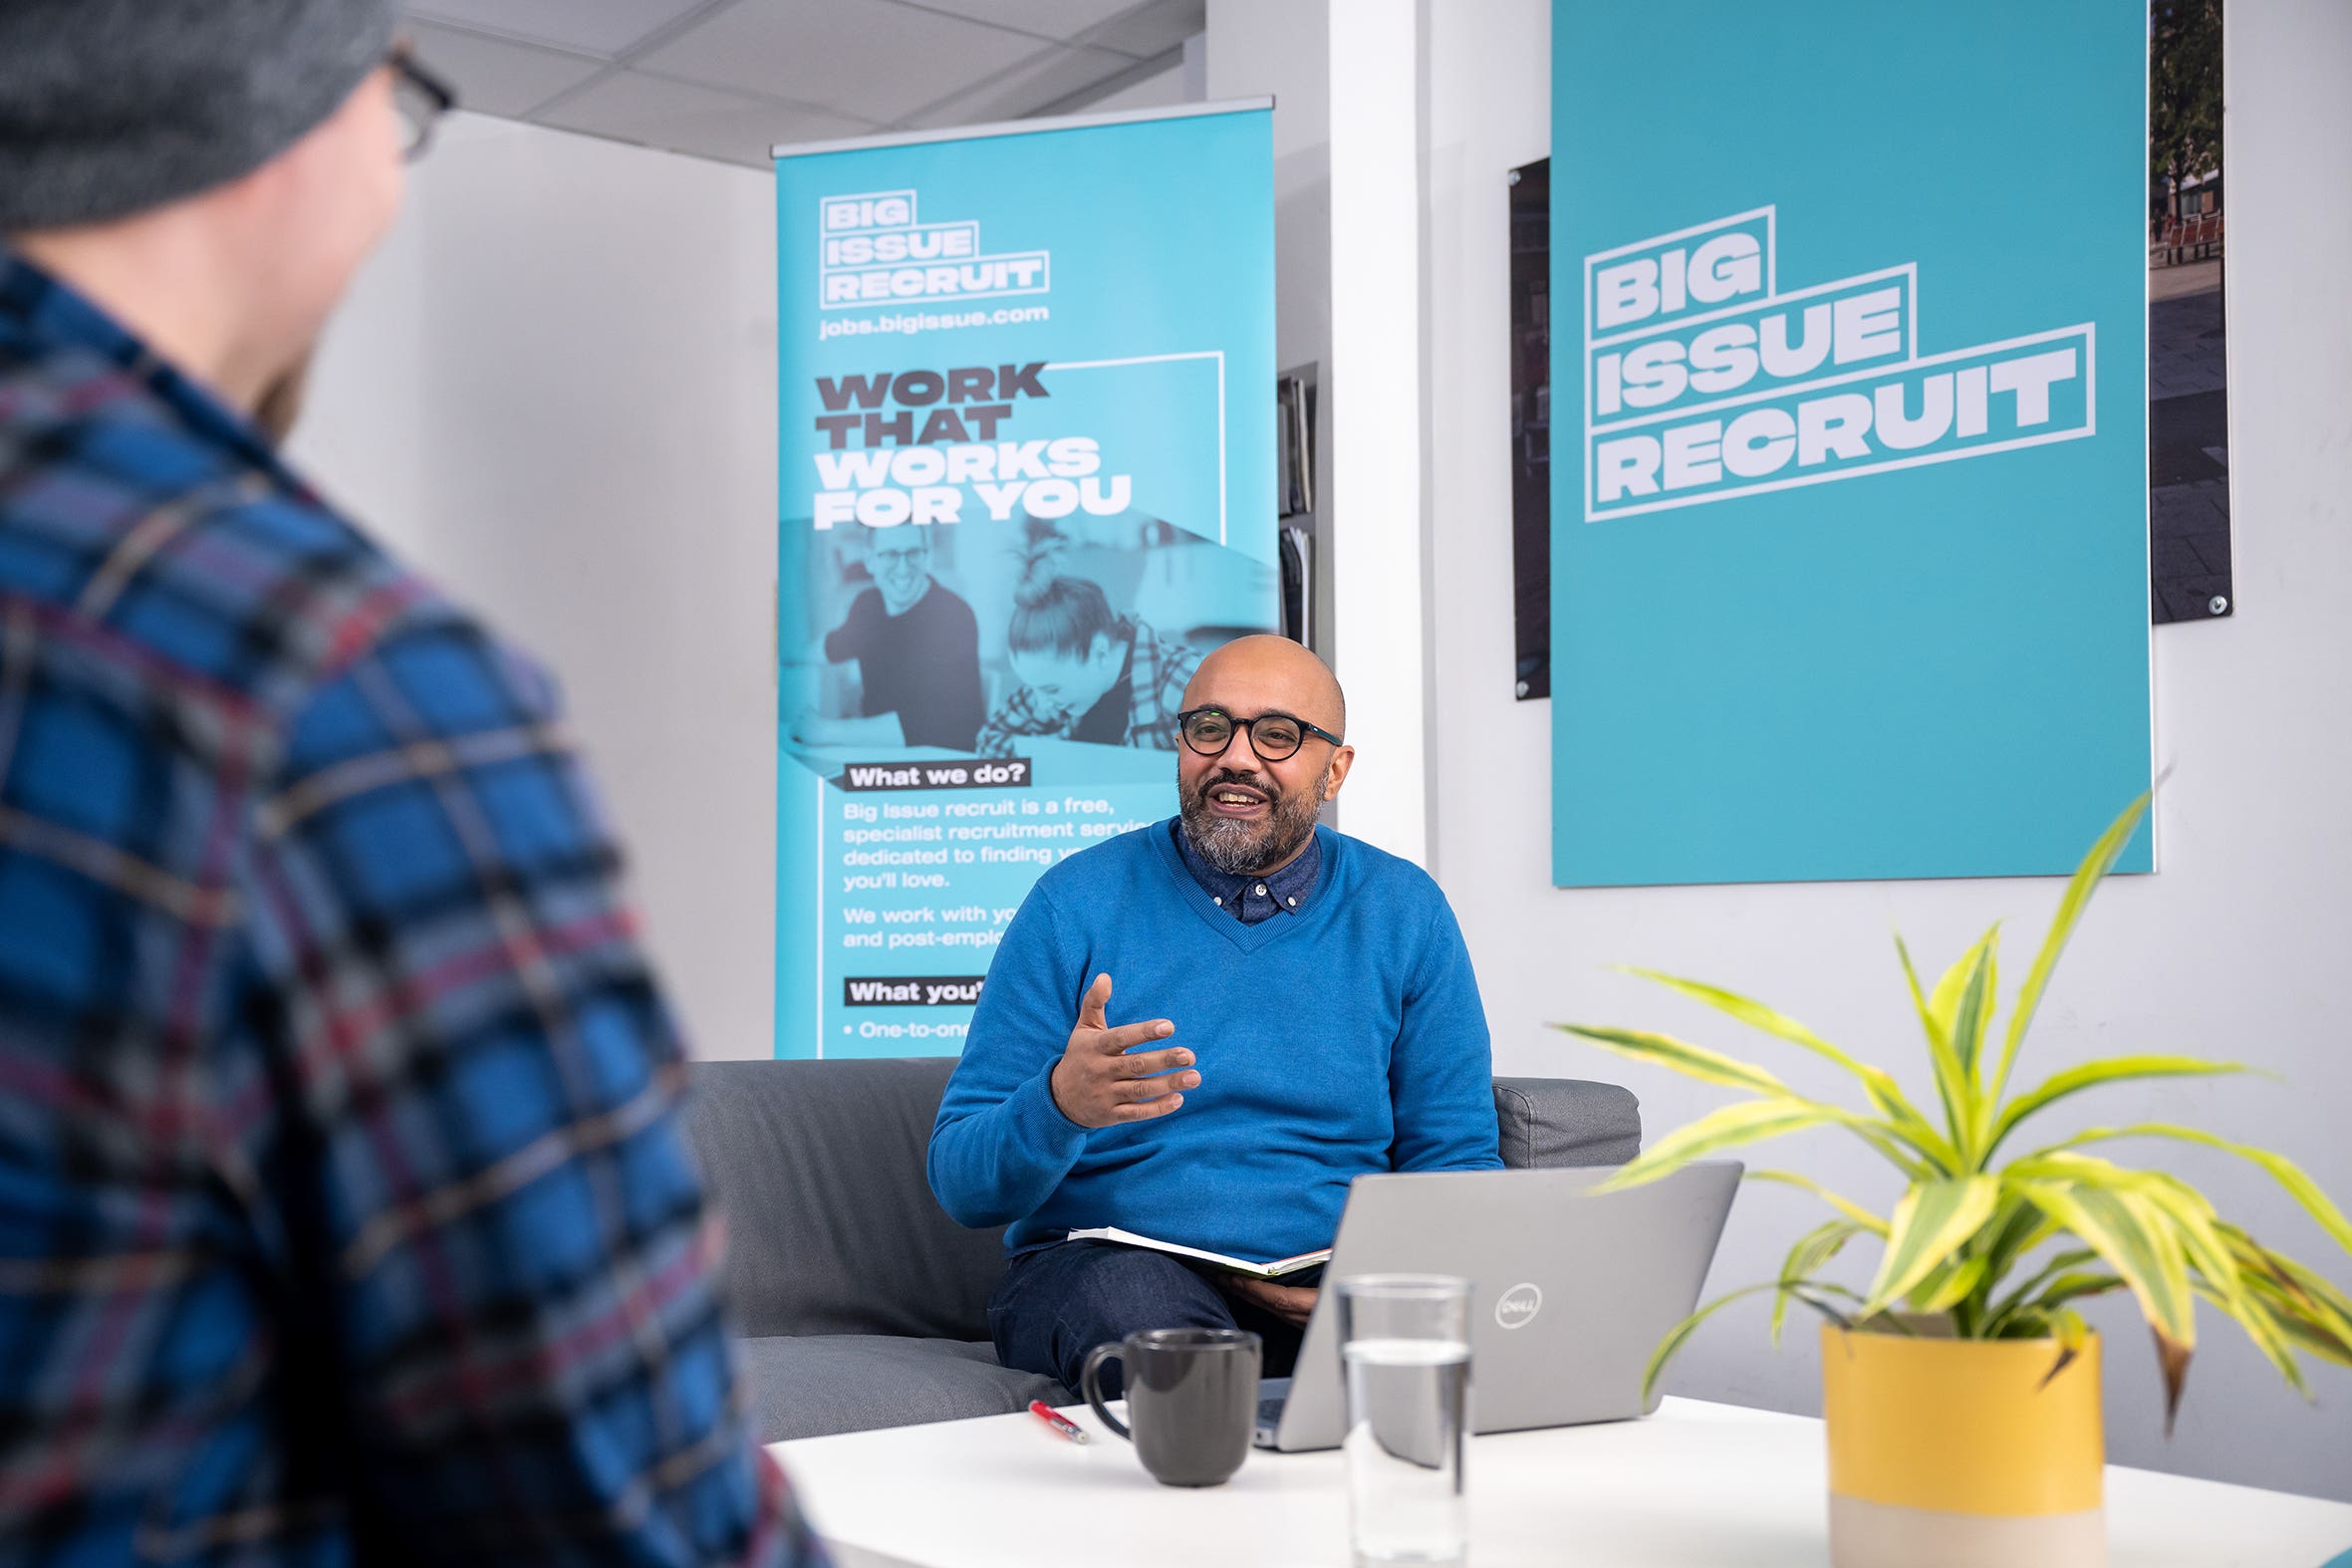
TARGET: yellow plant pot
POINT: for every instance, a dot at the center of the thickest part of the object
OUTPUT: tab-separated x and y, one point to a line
1957	1454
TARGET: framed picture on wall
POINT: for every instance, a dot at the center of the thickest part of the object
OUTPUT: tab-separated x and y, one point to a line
1531	430
1294	463
1294	438
2188	512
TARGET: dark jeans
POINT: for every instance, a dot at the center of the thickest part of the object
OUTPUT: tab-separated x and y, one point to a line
1058	1302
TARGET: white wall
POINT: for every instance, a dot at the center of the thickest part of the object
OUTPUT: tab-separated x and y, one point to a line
554	391
2236	950
1377	438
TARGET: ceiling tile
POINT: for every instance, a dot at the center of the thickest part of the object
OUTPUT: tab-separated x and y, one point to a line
1056	19
1150	31
597	27
495	77
683	117
1048	79
866	58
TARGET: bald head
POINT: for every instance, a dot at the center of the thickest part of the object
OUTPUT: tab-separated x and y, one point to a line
1269	674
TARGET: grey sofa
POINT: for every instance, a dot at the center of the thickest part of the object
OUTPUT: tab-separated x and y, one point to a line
860	1302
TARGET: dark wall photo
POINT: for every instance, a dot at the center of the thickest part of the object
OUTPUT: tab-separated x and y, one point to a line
2187	358
1531	425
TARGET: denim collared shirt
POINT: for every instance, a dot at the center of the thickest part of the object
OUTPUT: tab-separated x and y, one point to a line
1254	899
348	1212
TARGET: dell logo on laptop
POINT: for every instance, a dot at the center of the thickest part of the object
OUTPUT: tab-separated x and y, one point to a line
1519	1306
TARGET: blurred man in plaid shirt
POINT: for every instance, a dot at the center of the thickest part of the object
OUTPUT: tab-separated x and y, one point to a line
345	1214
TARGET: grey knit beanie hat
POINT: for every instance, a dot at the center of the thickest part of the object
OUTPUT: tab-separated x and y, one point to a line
112	106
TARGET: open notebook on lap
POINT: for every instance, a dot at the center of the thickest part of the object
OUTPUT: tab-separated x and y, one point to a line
1571	1291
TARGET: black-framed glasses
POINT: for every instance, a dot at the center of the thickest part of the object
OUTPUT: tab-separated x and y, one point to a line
422	99
1275	737
904	555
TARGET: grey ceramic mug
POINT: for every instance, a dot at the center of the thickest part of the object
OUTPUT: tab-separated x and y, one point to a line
1191	1395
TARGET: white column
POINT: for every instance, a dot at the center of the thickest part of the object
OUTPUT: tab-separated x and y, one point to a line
1374	387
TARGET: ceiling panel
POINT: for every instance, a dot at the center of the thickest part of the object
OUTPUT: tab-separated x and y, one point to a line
1056	19
495	77
866	58
1150	31
1048	79
683	117
597	27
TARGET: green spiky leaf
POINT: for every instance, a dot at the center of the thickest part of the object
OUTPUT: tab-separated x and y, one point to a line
2077	898
1732	1127
1962	1002
1928	1226
2141	1246
1948	1286
1884	1094
1845	1206
2093	1074
2281	1170
1691	1061
1812	1252
1814	1293
1954	1086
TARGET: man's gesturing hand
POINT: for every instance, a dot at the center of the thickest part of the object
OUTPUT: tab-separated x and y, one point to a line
1098	1083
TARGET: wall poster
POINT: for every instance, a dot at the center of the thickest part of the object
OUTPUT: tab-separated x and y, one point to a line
1850	530
1027	479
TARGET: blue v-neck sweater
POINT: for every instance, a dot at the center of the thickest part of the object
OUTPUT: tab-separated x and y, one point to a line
1343	1039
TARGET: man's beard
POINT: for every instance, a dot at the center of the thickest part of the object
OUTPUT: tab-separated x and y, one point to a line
1243	849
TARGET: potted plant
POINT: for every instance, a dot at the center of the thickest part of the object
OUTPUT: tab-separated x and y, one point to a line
1961	1388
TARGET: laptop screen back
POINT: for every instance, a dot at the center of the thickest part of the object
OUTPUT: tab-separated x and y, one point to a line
1570	1291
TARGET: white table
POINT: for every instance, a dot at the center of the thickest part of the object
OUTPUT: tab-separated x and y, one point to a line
1695	1484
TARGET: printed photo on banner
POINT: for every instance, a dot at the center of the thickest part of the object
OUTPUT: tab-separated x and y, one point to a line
1082	668
986	639
899	663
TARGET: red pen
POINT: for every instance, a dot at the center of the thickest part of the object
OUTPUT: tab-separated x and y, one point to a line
1058	1422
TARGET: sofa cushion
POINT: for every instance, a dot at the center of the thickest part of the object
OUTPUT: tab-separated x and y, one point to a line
1545	1123
813	1385
832	1228
819	1168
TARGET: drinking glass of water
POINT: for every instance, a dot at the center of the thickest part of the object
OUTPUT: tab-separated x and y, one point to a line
1405	1340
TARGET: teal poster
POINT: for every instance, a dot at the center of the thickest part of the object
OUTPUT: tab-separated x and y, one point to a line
1849	396
1026	480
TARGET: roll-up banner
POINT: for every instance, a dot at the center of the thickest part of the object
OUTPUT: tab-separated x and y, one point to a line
1849	494
1027	480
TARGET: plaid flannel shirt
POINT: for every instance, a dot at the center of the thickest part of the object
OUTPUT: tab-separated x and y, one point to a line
1158	673
343	1207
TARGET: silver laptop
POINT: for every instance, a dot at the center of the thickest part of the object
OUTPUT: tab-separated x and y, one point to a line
1570	1291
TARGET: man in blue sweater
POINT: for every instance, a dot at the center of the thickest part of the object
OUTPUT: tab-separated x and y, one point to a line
1310	1016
